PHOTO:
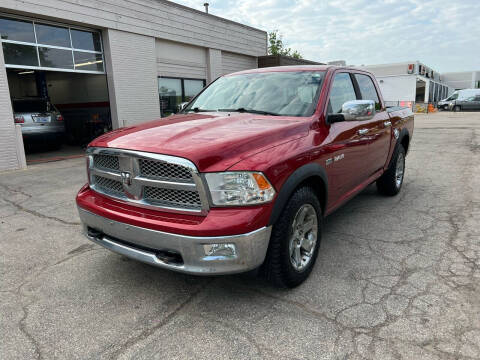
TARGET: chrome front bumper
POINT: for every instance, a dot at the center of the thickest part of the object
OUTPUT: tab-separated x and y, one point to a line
165	249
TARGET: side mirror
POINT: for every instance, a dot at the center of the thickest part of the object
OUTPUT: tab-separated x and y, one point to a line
355	110
182	106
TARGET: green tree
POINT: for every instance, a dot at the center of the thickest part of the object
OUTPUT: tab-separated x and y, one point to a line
277	47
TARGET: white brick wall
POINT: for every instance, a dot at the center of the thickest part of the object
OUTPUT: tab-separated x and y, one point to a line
132	77
9	159
214	64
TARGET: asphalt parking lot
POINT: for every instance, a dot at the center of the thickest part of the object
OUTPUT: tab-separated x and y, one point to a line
397	278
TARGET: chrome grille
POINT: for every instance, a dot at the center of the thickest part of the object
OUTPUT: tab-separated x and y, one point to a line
109	185
148	180
108	162
163	170
172	197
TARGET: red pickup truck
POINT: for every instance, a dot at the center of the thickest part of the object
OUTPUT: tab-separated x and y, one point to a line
243	176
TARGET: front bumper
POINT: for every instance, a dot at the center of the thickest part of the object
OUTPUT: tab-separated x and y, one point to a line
177	252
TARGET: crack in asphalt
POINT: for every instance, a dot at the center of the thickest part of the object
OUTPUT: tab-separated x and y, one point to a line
40	215
147	332
19	206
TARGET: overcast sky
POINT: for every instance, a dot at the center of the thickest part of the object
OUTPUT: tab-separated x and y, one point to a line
443	34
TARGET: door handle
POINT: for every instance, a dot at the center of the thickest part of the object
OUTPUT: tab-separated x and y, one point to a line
362	131
387	123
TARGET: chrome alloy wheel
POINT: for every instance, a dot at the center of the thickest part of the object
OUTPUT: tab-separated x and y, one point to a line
400	169
303	238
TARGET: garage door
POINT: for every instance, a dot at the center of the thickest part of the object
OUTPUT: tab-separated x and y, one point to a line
180	60
39	45
57	87
234	62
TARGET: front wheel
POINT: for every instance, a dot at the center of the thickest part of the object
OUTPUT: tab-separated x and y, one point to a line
295	240
391	181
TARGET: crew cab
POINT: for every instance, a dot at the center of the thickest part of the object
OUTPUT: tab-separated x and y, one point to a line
243	176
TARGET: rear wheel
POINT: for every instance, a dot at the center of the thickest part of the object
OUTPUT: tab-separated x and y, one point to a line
391	181
295	240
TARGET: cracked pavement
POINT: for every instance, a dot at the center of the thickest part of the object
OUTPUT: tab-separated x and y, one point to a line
396	278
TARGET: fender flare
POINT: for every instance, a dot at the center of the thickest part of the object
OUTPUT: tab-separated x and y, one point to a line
301	174
404	132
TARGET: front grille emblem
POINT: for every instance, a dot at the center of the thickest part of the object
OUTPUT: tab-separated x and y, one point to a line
126	178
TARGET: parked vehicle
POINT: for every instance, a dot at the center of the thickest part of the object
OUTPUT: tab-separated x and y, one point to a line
466	104
40	121
444	104
450	103
244	176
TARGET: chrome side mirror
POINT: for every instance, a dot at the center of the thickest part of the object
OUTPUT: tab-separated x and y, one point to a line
182	106
358	110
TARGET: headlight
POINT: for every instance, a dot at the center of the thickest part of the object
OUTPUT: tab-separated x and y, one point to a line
239	188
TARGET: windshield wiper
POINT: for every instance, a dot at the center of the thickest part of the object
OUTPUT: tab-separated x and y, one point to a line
196	109
253	111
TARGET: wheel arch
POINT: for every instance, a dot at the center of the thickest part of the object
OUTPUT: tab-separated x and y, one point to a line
404	139
313	175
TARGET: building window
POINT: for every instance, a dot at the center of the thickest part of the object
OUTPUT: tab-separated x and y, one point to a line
174	91
28	44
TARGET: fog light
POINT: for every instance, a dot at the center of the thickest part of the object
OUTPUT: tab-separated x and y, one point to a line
228	250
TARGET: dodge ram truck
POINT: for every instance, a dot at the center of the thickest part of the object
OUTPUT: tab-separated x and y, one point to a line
242	178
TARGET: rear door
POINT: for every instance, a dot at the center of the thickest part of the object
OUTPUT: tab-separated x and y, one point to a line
379	128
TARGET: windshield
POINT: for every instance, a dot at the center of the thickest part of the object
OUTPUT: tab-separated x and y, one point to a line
454	96
275	93
30	105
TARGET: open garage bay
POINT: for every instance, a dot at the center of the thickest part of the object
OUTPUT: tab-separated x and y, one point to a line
397	278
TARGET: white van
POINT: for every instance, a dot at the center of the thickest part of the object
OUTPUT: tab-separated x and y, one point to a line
448	103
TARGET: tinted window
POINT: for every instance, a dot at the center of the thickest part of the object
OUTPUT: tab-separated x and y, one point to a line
282	92
341	92
52	35
170	91
192	88
33	105
367	89
86	40
16	54
55	58
88	61
17	30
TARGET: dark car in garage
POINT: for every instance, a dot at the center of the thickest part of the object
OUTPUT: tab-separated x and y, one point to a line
41	122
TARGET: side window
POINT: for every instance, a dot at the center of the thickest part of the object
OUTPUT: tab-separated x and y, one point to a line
341	92
367	89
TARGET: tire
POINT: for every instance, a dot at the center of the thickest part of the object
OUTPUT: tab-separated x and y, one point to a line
390	183
287	245
457	108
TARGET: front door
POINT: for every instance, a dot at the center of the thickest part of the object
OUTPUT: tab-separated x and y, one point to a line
347	143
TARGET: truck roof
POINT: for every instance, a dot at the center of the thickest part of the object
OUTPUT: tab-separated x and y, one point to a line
298	68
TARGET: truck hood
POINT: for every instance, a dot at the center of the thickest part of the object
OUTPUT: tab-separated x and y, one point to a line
213	141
